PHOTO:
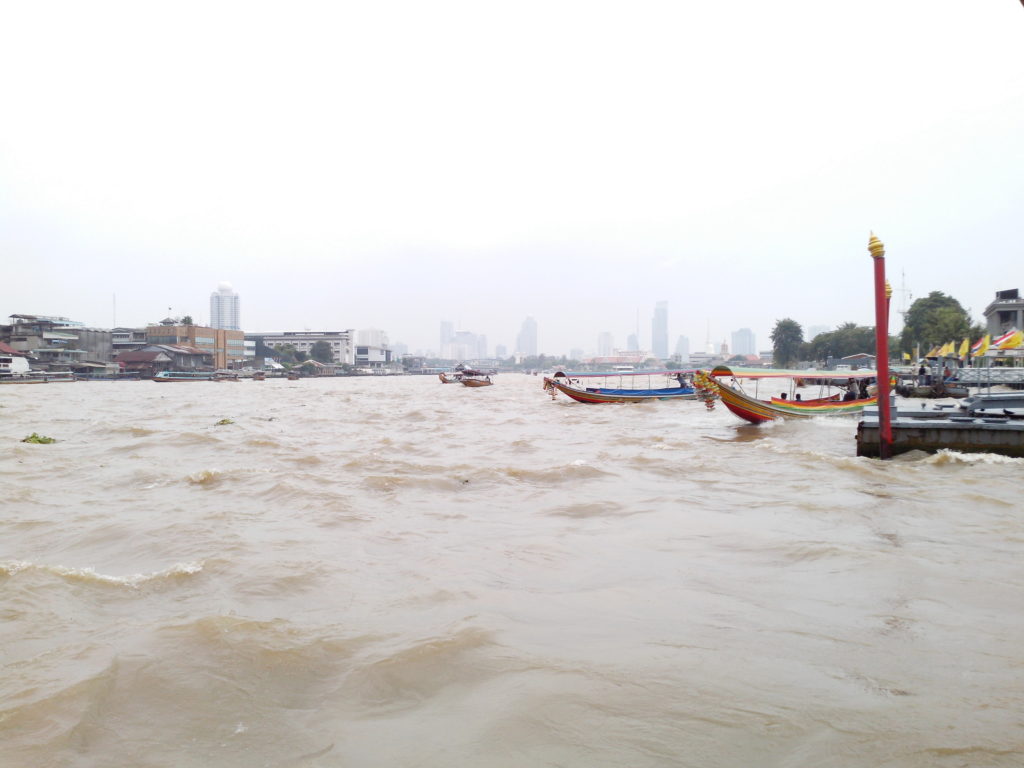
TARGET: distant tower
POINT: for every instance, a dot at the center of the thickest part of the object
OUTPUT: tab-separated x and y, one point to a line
683	348
632	343
224	308
659	331
743	342
526	341
605	344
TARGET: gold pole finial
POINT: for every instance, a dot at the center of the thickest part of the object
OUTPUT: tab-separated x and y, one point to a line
875	247
888	290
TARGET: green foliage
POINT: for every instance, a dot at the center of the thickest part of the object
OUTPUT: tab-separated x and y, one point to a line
847	339
936	319
37	438
187	320
286	352
787	339
321	352
223	422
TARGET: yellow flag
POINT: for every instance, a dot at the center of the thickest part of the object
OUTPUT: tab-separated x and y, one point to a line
906	356
965	346
1013	341
984	345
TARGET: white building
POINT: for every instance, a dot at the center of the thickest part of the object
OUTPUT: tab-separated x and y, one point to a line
224	308
342	342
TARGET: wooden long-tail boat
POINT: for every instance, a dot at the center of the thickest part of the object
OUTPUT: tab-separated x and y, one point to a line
621	386
476	379
450	378
758	411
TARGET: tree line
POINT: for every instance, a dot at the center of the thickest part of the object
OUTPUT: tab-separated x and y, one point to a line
933	320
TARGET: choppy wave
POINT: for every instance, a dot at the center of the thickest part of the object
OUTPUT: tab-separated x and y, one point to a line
90	576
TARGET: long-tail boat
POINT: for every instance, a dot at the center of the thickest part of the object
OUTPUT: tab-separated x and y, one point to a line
450	378
621	386
473	378
727	384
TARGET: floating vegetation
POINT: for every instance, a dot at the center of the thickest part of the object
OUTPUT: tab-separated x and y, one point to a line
35	437
223	422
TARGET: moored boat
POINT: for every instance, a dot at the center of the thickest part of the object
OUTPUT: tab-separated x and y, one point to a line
757	411
621	386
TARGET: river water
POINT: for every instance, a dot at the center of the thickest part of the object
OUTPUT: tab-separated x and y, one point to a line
396	572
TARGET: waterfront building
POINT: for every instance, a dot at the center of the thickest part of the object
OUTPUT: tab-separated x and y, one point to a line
1005	313
659	331
226	347
224	308
342	343
148	361
59	343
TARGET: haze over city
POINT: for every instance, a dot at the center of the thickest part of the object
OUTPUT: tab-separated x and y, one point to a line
393	165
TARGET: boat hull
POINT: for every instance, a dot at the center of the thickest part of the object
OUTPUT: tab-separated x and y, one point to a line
759	411
476	383
600	395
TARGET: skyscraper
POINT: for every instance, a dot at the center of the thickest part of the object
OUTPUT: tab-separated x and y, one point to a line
743	342
224	308
683	348
526	341
605	344
659	331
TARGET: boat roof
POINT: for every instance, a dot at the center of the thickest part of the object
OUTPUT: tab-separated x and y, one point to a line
592	374
779	373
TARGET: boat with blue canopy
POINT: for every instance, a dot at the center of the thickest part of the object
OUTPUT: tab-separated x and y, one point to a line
621	386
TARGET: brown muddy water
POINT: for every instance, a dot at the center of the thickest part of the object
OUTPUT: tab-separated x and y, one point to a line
396	572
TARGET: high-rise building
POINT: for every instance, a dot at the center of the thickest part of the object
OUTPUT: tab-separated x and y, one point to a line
605	344
501	352
743	342
526	341
632	343
224	308
447	335
683	349
659	331
816	330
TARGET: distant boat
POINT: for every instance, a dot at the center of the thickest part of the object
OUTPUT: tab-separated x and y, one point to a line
168	376
757	411
450	378
621	386
292	376
475	379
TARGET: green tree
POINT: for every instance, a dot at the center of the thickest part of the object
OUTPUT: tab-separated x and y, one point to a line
933	320
286	352
321	352
787	339
187	320
847	339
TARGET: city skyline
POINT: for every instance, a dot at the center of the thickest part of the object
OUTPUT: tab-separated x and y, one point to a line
569	189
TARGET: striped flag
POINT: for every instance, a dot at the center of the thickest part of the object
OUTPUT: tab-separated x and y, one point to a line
983	345
1013	341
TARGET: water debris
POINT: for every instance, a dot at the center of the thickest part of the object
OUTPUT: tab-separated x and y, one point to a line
224	422
37	438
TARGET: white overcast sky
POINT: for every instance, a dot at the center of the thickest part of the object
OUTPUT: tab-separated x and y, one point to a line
393	164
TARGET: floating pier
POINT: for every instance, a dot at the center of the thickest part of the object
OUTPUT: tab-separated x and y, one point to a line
944	427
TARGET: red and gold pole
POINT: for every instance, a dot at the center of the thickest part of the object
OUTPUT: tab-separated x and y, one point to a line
877	251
